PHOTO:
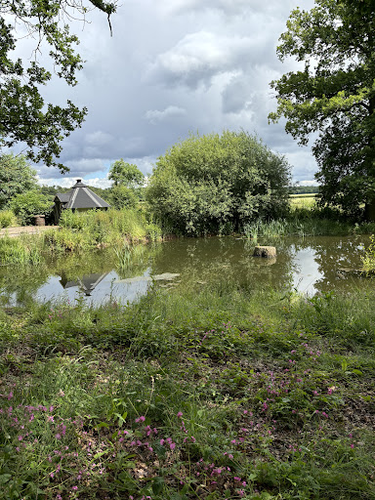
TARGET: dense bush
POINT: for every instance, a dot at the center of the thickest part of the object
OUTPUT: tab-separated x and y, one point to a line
27	205
217	184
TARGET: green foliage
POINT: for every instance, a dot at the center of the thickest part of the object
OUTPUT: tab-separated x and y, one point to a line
335	96
368	260
24	116
16	177
217	183
122	197
84	230
125	174
18	251
26	205
7	219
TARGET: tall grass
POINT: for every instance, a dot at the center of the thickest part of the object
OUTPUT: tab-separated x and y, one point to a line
110	226
7	219
21	251
306	222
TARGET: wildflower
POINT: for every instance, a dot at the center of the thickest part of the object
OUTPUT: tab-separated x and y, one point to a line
172	446
140	419
162	442
179	414
75	488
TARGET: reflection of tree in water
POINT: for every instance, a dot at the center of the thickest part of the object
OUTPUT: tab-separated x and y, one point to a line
219	262
333	253
229	260
132	261
19	284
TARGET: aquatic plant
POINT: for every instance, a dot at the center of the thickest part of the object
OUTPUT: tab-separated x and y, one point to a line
368	261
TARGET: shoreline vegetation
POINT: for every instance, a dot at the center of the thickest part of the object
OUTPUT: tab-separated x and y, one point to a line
188	393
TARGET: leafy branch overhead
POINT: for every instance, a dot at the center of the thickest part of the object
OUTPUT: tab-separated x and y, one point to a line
334	96
24	115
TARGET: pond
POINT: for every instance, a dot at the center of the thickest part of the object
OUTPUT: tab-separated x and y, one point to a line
309	265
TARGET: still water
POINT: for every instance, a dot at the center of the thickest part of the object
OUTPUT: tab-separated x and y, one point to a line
309	265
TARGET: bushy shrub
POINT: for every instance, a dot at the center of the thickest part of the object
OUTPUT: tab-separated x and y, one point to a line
7	219
218	183
27	205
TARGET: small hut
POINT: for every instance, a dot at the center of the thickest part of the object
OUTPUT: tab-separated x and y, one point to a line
79	198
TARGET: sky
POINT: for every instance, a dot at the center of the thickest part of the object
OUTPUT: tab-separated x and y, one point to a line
171	68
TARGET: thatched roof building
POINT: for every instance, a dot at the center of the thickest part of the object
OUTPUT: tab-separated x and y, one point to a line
80	198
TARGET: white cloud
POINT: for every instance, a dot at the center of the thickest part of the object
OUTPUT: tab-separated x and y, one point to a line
98	182
154	115
198	57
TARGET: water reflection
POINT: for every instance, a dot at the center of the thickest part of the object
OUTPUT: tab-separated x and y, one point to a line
308	265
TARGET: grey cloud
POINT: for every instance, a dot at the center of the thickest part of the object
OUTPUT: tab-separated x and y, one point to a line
237	95
199	57
154	115
174	67
78	167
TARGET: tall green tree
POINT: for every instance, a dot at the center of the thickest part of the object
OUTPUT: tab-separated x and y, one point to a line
24	115
16	177
125	174
217	183
333	96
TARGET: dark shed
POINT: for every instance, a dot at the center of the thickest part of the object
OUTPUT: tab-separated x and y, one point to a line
80	198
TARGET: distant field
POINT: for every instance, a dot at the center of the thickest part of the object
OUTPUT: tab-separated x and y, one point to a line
307	200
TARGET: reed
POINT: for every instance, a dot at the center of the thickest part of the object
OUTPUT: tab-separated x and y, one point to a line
21	251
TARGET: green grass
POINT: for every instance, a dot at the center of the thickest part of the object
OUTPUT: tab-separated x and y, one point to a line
205	393
304	201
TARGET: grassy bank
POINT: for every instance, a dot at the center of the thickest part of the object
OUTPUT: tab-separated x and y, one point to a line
195	393
80	233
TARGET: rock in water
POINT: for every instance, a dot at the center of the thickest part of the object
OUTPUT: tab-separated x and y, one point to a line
265	252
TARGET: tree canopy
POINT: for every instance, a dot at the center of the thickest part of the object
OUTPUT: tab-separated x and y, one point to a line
16	177
217	183
24	115
125	174
333	96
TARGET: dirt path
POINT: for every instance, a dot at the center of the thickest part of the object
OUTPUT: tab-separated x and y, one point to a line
13	232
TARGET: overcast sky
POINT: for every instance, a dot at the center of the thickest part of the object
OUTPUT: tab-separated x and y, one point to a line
174	67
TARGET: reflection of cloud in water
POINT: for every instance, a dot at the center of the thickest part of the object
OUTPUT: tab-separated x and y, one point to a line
306	272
